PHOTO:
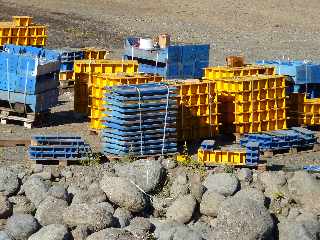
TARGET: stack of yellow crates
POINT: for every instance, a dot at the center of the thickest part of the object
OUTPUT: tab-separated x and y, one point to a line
21	31
251	103
98	89
308	109
197	109
95	53
85	70
222	156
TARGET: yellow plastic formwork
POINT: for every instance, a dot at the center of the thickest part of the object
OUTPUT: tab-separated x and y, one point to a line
98	91
252	127
22	31
310	115
218	72
198	116
222	157
95	53
63	76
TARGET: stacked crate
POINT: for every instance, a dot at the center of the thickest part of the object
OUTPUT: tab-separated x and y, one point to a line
68	56
98	89
21	31
95	53
140	120
250	103
310	114
85	70
197	109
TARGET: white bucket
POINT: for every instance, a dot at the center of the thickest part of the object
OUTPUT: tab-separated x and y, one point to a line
146	43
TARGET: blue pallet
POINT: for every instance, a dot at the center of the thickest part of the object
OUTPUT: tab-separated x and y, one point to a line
176	61
58	140
151	132
312	90
141	105
312	168
136	137
36	103
126	152
66	66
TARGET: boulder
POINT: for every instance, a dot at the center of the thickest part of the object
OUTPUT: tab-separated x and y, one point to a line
245	175
5	207
140	226
36	190
94	216
21	226
80	233
51	232
224	183
94	194
182	209
179	186
253	194
122	217
5	236
22	205
274	182
58	192
122	192
196	187
9	182
240	218
210	203
112	234
50	211
147	174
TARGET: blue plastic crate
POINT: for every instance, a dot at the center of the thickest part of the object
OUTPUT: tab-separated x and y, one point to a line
57	140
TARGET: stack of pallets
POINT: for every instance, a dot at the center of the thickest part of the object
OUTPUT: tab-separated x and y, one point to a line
140	120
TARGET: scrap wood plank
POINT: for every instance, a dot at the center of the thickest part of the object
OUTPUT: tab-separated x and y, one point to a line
14	142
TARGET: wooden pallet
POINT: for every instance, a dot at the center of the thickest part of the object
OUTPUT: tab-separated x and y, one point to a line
294	150
60	162
28	120
14	142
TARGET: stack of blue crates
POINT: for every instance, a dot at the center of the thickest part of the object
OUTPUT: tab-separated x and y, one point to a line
49	147
141	120
252	153
174	62
281	139
29	75
68	56
306	76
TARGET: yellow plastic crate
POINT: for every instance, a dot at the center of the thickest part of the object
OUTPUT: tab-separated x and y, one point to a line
63	76
37	41
37	31
197	132
19	41
97	113
95	53
5	40
105	66
218	72
222	157
95	123
252	127
98	92
310	119
22	21
5	30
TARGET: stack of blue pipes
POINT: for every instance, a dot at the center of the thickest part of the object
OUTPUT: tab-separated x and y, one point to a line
29	76
140	120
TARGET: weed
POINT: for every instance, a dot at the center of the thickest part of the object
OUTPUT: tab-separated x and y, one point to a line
91	159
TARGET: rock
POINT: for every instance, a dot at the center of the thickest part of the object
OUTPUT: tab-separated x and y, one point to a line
36	190
182	209
58	192
223	183
51	232
50	211
9	182
238	219
179	186
293	213
160	206
196	187
253	194
309	194
147	174
94	216
5	236
306	226
80	233
140	226
21	226
245	174
5	207
37	168
45	175
22	205
122	192
210	203
93	195
107	206
168	163
273	182
122	216
112	234
202	228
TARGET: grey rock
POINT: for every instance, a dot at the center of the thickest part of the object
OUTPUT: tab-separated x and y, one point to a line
5	236
58	192
179	186
160	206
273	182
37	168
45	175
140	226
5	207
238	219
305	189
93	216
112	234
22	205
245	174
9	182
223	183
50	211
94	194
36	190
196	187
182	209
21	226
202	228
168	163
80	233
293	213
253	194
210	203
107	206
147	174
123	217
51	232
122	192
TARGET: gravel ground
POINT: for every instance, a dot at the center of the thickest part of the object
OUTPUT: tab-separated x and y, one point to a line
257	30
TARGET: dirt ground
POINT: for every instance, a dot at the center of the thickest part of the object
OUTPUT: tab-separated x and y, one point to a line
266	29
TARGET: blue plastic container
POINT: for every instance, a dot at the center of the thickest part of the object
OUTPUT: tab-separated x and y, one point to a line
173	62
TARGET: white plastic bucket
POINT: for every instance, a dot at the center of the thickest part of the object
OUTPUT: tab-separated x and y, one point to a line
146	43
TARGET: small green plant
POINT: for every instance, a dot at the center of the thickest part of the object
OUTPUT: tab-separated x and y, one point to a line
278	196
91	159
131	157
228	169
